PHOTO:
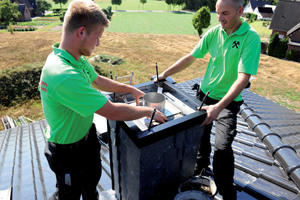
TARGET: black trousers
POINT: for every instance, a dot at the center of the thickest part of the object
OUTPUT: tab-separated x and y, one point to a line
77	167
223	160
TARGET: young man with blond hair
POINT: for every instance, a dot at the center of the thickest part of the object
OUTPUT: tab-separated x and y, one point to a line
234	47
69	103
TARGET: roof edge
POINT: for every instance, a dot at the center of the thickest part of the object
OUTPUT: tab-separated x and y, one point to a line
293	29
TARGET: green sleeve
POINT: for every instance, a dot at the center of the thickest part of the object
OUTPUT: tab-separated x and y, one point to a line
202	47
250	56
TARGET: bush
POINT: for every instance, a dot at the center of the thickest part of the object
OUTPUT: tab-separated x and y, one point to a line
24	28
277	47
252	17
108	12
20	84
61	16
266	23
58	11
201	19
105	59
291	55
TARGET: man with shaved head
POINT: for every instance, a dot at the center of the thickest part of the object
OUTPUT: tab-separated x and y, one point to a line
234	47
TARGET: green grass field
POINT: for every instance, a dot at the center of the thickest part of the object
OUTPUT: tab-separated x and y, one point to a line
264	32
148	22
153	22
126	5
136	5
157	23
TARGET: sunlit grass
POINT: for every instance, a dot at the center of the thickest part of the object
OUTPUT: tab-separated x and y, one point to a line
264	32
126	5
158	23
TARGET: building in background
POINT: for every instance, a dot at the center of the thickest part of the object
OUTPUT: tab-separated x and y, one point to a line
264	13
253	4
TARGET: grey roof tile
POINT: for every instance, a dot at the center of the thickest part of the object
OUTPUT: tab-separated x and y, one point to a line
24	167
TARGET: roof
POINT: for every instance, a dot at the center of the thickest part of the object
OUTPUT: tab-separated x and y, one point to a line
255	3
24	170
30	3
293	29
265	9
296	44
286	15
21	8
266	166
265	12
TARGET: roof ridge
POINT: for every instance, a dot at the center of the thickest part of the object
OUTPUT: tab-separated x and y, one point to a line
273	142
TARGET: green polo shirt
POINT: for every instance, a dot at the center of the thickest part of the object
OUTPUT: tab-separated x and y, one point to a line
68	98
239	52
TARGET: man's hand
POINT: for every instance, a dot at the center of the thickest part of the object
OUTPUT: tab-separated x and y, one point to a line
236	88
136	93
160	117
212	114
161	77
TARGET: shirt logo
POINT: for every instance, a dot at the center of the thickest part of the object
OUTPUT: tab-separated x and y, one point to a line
235	44
43	86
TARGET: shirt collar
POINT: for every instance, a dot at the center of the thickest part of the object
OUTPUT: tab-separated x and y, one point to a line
68	57
241	30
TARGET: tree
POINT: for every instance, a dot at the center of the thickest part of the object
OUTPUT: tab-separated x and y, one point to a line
8	12
10	28
42	6
277	47
179	3
60	2
291	55
212	5
174	3
116	2
196	4
274	2
62	16
201	19
143	2
108	12
169	2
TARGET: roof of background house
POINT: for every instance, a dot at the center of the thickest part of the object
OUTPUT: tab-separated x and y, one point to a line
30	3
21	8
255	3
293	29
266	167
296	44
265	12
286	16
265	9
